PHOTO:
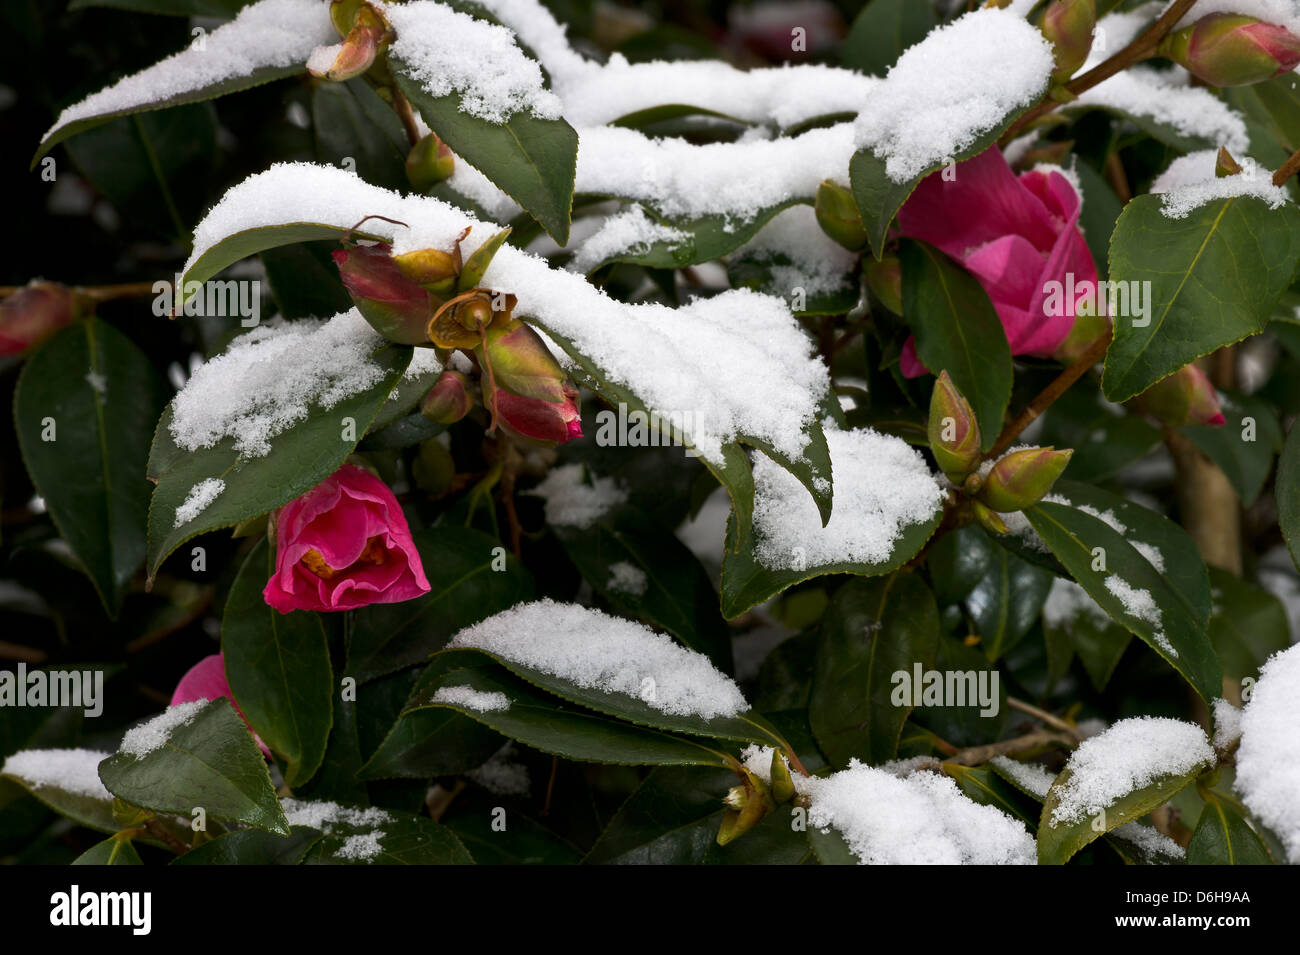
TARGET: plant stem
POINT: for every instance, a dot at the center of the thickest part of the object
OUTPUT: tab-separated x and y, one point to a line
975	755
1053	721
1058	387
1287	169
403	108
97	293
1142	48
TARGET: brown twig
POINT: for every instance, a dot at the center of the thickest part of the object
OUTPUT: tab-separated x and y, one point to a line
1059	386
1045	717
402	106
1142	48
159	831
975	755
1287	169
96	293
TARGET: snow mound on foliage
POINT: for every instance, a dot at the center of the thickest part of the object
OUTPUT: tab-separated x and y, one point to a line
735	364
1268	761
1127	756
269	378
953	86
597	651
267	34
882	486
153	734
68	770
450	52
572	502
1189	183
480	701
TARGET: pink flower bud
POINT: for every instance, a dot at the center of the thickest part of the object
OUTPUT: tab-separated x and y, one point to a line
838	215
1185	397
539	421
1020	478
33	314
449	399
395	306
356	54
1225	49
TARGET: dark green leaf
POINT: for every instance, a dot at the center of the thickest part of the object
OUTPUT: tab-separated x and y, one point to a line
83	408
532	160
114	850
672	819
957	330
1007	601
461	566
253	847
1249	624
882	31
209	762
1244	445
872	630
279	669
1214	277
1224	837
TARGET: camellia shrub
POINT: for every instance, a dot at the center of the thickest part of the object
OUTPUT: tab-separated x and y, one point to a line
502	432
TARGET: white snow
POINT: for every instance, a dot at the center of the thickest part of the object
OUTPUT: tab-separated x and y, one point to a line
140	741
197	500
627	578
768	387
424	361
270	33
1139	603
1227	723
1030	777
1268	761
322	59
450	52
922	819
1190	183
959	82
1067	601
1127	756
882	485
631	232
479	701
268	379
69	770
610	654
572	502
361	847
1149	840
325	815
819	265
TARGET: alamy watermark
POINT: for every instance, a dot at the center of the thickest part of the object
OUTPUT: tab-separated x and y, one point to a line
1131	299
233	298
634	428
74	688
922	687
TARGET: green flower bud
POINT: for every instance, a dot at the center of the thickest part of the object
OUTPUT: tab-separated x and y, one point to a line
837	214
988	519
885	279
1068	26
1225	165
476	266
1020	478
782	784
1226	49
431	269
954	432
429	162
1185	397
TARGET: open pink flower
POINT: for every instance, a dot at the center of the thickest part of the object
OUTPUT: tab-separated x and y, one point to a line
206	680
344	544
1017	236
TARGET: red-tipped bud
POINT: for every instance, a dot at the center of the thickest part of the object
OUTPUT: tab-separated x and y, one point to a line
1068	26
521	362
538	421
429	162
954	432
33	314
449	400
1021	478
355	54
1185	397
837	214
395	306
1225	49
885	279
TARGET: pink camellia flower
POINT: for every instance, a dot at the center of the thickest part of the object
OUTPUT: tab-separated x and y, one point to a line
32	314
206	680
1018	235
342	545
